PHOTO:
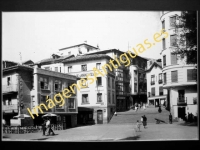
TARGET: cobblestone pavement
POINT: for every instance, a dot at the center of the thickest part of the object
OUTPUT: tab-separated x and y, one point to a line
123	131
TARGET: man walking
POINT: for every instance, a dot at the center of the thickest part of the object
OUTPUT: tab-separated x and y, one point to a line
144	121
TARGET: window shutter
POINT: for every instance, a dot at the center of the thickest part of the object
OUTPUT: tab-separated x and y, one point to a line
173	59
174	76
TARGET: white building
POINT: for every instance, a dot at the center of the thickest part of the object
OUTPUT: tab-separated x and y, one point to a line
180	78
155	92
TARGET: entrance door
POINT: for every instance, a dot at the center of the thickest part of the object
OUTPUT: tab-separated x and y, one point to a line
99	117
157	102
68	121
181	112
181	95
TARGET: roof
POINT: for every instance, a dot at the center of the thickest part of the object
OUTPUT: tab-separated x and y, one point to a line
52	60
155	63
77	46
86	57
10	61
28	62
17	67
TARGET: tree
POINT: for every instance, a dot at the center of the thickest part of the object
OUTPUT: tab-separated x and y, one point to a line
186	40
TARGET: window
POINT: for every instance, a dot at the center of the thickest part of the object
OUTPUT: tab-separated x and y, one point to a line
99	81
113	97
85	98
173	59
160	90
99	97
109	97
58	85
43	83
108	81
191	74
135	87
164	60
113	84
172	21
160	78
84	82
8	81
165	78
173	40
163	24
152	79
163	43
71	103
98	65
83	67
47	68
174	76
70	69
43	99
56	69
153	91
58	105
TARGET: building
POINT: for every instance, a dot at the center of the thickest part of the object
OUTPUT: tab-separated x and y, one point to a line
16	88
179	78
96	99
156	94
48	84
138	83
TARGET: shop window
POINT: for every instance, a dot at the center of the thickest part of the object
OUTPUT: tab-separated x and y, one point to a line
71	103
99	97
85	98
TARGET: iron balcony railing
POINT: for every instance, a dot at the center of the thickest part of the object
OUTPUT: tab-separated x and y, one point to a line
10	88
160	81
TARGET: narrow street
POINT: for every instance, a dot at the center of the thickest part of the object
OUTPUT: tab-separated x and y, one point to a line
120	128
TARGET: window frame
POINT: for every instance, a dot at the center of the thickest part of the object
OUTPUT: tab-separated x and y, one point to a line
82	67
47	83
59	84
87	100
165	78
172	44
164	60
69	69
163	43
153	93
193	74
172	78
101	98
98	66
69	99
172	24
57	105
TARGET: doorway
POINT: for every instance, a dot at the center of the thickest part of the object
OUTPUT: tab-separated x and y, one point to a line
99	117
181	112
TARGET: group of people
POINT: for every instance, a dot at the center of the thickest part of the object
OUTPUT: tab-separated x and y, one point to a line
47	127
143	122
137	106
189	117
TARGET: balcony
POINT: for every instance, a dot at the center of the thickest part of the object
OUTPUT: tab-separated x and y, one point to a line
152	82
182	101
10	108
10	88
160	81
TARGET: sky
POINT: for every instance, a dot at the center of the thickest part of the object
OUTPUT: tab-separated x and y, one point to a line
37	35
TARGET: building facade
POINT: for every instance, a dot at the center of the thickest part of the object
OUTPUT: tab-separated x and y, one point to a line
16	88
49	84
179	78
96	98
155	92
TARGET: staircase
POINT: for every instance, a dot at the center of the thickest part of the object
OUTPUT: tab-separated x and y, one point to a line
131	116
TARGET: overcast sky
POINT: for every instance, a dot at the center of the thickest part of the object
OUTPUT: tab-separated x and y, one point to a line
39	34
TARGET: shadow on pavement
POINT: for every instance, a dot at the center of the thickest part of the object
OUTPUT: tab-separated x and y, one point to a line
131	138
188	124
40	139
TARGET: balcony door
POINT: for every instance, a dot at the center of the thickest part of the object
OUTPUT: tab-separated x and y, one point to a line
181	95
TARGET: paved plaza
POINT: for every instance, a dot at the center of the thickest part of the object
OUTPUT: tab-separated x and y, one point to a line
119	131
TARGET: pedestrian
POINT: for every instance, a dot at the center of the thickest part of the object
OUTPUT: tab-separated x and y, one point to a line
138	124
141	119
159	109
144	121
170	118
144	107
50	128
115	113
138	105
136	108
47	126
44	126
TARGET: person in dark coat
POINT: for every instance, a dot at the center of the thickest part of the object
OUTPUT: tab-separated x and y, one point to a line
50	128
44	126
170	118
144	121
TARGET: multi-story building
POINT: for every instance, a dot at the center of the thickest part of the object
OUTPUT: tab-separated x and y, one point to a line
46	85
16	88
138	82
180	78
96	99
155	92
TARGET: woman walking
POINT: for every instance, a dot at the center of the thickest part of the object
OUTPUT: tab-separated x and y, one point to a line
144	121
